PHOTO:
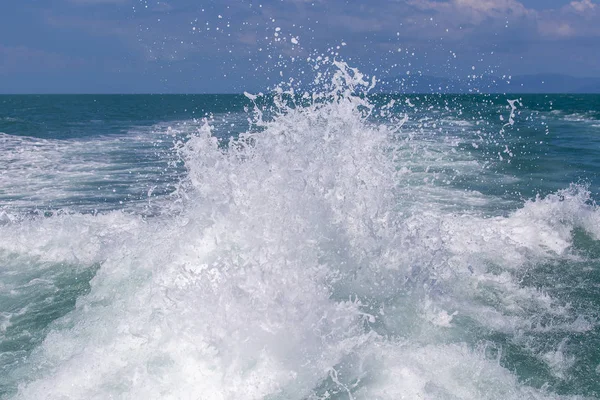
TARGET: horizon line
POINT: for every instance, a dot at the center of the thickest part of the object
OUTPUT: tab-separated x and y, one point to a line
266	93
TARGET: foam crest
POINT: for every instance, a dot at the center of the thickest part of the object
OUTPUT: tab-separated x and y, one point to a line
541	229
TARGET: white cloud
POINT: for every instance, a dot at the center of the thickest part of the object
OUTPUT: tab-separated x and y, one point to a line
583	6
576	19
579	18
492	7
474	11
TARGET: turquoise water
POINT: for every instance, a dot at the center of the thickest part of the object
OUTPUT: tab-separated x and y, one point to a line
439	247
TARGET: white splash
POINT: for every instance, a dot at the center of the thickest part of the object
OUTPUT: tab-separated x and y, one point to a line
293	272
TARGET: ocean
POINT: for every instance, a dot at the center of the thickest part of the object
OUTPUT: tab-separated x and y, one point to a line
305	244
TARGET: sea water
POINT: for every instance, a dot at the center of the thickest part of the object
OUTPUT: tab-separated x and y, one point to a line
305	244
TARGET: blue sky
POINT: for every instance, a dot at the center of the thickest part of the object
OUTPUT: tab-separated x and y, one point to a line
192	46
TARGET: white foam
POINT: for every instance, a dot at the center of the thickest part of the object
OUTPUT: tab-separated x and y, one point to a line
541	229
403	371
73	238
298	267
580	117
50	173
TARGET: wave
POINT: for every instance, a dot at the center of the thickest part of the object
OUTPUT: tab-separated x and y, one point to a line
305	264
94	174
588	117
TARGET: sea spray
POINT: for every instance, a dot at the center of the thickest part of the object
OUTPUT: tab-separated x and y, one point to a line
305	261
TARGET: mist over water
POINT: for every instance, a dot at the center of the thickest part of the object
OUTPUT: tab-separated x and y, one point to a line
335	246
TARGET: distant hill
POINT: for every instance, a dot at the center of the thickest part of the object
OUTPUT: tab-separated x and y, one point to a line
538	83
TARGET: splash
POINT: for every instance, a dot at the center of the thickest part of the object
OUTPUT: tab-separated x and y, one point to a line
301	267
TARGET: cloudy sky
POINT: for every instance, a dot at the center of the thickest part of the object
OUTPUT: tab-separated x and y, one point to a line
200	46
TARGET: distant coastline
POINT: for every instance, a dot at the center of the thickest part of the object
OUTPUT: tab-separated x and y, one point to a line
530	84
428	84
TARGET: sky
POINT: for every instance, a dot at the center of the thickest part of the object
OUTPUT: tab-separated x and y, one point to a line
228	46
